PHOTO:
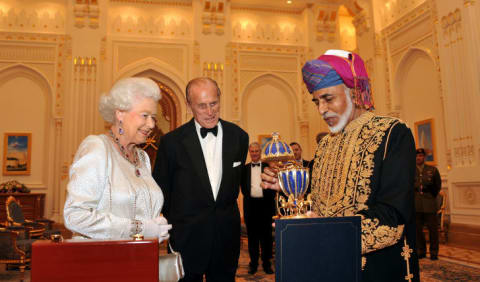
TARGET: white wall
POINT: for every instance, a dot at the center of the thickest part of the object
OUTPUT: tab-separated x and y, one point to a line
420	98
268	107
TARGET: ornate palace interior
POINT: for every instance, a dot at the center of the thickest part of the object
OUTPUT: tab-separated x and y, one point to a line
57	57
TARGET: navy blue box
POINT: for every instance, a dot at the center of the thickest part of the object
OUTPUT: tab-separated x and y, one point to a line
318	249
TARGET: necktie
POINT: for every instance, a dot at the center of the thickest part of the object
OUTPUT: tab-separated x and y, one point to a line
204	131
254	165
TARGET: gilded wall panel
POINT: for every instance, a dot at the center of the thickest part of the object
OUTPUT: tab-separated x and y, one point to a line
248	61
268	33
266	62
467	195
48	70
425	43
161	26
5	64
415	31
458	66
267	26
291	78
174	56
246	77
26	53
392	10
30	20
409	18
44	52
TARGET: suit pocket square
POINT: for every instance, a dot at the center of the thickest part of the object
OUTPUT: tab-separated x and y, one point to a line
235	164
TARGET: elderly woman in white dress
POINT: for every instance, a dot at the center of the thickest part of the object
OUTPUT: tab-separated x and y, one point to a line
111	192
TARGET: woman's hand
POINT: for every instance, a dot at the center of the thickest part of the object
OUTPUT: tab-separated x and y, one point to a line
269	179
164	227
157	227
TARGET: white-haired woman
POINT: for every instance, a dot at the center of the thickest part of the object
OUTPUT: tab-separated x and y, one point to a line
111	192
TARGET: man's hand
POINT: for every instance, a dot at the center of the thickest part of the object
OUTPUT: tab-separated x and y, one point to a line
269	179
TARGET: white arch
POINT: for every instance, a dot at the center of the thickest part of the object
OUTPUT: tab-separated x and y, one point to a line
399	75
35	75
49	143
281	84
272	78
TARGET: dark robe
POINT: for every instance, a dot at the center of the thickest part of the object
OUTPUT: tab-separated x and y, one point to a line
368	170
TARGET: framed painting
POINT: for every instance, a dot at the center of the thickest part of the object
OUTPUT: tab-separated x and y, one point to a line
425	138
263	139
17	152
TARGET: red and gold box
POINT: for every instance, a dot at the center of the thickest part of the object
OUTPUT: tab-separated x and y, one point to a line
94	260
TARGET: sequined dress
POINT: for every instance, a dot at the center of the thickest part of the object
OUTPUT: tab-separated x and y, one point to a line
105	195
368	170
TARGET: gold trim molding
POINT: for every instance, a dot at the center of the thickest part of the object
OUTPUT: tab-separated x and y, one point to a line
185	3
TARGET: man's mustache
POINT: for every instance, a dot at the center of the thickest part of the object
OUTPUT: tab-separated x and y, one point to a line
330	115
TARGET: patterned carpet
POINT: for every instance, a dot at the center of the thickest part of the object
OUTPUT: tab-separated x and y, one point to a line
455	264
442	270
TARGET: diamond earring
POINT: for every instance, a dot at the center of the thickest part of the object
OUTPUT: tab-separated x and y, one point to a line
120	129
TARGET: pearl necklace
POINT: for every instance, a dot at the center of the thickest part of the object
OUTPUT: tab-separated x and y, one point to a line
135	161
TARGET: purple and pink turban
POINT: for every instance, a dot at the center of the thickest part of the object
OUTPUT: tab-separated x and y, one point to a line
331	70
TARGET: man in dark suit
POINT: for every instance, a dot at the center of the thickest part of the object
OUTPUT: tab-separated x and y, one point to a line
427	185
297	153
258	209
198	168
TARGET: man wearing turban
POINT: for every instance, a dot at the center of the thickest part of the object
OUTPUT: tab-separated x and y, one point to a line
365	167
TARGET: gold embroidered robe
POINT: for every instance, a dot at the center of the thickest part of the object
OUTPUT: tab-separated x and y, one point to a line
367	170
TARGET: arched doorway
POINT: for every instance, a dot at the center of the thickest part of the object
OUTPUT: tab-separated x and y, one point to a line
167	120
417	96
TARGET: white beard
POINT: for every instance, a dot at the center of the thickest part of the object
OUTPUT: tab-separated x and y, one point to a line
343	118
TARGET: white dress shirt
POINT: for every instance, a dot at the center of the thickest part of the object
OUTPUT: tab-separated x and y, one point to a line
212	153
255	179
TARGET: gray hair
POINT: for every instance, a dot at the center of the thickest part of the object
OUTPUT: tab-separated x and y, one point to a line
125	93
348	91
254	144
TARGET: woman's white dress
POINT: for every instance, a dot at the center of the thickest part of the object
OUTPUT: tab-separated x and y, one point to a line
105	195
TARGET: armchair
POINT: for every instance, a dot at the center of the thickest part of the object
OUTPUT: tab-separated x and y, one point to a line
15	247
36	229
443	222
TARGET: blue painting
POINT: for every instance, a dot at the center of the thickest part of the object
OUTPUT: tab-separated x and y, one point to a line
426	139
16	153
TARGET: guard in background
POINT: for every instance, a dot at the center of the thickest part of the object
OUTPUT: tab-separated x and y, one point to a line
427	186
258	209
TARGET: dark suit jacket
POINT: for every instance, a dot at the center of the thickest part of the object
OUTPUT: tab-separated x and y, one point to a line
309	164
428	182
268	194
202	227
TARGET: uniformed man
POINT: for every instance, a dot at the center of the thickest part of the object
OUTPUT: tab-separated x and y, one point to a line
427	186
